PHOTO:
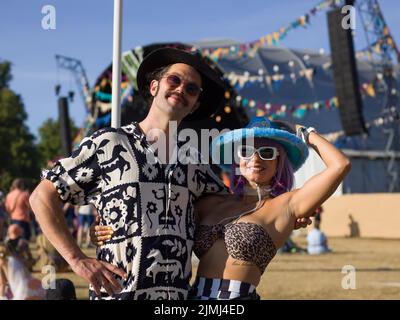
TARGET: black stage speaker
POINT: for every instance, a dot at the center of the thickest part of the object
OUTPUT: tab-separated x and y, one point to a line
345	75
65	130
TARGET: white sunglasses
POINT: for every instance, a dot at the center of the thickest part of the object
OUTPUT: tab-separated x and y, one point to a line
265	153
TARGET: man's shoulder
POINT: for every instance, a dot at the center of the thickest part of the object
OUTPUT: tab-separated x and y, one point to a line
115	134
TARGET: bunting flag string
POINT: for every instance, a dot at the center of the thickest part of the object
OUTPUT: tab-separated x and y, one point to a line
250	48
270	39
282	110
390	117
297	111
238	81
380	46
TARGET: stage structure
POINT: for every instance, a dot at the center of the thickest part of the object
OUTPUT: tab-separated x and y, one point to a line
264	79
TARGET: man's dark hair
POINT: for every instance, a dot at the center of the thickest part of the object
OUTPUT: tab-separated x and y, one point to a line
157	74
18	184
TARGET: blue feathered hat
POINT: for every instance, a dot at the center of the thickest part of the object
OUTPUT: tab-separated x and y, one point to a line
260	127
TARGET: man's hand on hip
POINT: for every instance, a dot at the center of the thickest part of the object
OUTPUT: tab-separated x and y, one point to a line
99	274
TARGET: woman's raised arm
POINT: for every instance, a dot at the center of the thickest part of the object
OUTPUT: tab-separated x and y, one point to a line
320	187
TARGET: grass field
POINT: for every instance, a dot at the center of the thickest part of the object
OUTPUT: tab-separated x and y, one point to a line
300	276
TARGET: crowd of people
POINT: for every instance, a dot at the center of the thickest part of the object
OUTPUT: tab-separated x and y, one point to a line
24	248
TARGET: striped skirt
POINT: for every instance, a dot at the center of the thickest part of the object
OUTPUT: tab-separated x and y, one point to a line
222	289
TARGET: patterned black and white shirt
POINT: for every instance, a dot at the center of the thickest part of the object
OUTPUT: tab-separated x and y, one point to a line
149	206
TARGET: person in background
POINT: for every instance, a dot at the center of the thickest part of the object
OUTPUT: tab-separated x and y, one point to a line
318	213
86	219
18	208
316	239
16	280
3	216
64	290
48	255
20	246
70	218
291	247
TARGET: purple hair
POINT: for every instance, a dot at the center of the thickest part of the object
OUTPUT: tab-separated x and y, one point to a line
281	182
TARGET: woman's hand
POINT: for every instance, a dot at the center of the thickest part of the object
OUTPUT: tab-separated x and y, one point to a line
302	223
99	234
297	127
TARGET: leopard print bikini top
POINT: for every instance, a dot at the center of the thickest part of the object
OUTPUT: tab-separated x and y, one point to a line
244	241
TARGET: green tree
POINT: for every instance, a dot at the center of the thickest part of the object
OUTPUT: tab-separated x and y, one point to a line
50	140
18	153
5	74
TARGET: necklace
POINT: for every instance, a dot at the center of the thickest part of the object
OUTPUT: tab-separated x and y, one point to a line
262	192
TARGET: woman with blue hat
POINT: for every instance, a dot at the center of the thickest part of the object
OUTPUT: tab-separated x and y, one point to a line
238	235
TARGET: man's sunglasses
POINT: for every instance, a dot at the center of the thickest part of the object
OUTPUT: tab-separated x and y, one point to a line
265	153
175	81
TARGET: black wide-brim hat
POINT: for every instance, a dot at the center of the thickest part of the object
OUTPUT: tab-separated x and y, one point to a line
213	94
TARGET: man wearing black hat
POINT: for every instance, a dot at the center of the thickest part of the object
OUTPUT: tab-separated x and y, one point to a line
146	202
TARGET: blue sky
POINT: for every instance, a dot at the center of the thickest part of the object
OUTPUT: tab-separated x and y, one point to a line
84	31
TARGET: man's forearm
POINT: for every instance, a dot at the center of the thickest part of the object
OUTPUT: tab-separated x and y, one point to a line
47	207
